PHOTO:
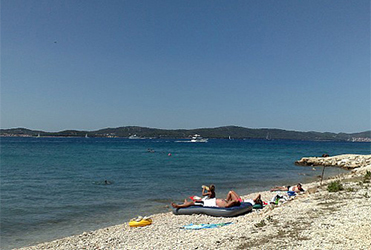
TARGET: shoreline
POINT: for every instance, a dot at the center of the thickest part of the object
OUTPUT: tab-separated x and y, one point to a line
306	222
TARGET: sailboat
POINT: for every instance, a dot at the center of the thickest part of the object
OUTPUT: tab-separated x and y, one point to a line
268	137
86	136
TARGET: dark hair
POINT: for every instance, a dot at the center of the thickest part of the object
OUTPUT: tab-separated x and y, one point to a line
212	187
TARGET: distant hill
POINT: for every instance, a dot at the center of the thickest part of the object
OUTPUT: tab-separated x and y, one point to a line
234	132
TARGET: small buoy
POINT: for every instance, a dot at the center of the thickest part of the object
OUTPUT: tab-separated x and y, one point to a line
169	154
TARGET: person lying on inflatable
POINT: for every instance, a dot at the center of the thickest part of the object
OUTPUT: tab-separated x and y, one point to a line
233	199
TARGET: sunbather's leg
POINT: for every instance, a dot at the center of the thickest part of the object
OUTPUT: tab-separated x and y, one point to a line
233	196
258	199
185	204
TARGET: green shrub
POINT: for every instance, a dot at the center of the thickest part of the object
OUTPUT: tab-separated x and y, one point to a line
367	177
260	224
335	186
270	218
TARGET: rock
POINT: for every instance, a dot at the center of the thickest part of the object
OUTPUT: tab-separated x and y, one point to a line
344	161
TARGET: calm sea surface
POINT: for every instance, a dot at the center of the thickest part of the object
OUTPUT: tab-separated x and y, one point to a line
55	187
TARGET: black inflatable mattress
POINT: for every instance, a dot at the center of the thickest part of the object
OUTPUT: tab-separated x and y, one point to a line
245	207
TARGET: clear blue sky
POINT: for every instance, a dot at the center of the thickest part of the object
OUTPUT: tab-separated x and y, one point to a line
296	65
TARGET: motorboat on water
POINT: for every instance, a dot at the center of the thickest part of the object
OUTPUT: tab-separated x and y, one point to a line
198	138
133	137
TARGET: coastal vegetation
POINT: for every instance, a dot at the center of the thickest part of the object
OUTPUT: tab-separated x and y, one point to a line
367	177
226	132
335	186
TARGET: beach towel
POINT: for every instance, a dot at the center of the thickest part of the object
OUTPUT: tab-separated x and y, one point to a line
203	226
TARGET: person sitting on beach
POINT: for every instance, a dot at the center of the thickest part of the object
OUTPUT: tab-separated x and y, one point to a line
208	200
233	199
208	192
257	200
298	188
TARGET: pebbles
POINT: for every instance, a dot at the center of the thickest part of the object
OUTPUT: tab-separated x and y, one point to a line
314	220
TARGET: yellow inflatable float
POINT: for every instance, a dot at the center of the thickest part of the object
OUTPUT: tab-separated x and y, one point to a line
140	222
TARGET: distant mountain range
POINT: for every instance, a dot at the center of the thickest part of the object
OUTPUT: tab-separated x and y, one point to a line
233	132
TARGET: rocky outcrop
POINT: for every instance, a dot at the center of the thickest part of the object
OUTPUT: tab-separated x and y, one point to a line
348	161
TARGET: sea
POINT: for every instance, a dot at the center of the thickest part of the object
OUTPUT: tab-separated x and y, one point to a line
57	187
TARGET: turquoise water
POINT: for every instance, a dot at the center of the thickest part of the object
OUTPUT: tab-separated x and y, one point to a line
54	187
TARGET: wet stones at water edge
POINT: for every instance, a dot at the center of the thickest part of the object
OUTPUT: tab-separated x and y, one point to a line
348	161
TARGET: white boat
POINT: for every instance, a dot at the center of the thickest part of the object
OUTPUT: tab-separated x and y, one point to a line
198	138
133	137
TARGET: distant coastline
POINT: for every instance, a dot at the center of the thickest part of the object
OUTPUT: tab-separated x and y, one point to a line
226	132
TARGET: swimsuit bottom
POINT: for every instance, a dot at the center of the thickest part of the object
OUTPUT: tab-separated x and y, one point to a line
209	202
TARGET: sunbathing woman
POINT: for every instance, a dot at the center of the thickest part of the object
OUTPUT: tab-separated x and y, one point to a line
298	188
208	192
208	200
233	199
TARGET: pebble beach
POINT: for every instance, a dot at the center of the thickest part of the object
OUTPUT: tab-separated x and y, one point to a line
316	219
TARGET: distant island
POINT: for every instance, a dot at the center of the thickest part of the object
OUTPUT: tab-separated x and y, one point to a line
226	132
